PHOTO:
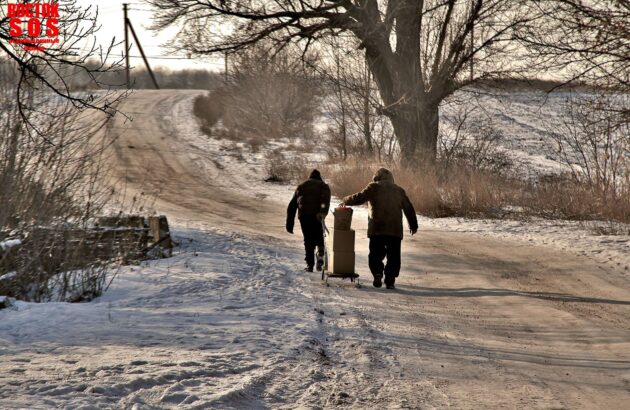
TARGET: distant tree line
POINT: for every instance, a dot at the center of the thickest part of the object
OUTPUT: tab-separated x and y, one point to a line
167	78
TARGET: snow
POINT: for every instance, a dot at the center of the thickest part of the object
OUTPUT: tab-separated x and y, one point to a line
231	164
209	328
7	276
11	243
525	117
230	322
575	237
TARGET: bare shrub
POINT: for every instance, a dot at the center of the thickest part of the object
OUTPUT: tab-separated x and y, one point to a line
285	169
564	198
54	176
594	143
353	107
467	192
468	144
269	97
353	175
474	177
50	179
608	228
350	176
209	109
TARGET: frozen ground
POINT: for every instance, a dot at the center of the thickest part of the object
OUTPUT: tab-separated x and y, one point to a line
215	326
225	323
483	316
580	238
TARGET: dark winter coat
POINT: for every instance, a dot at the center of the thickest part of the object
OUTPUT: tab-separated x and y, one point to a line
312	197
386	204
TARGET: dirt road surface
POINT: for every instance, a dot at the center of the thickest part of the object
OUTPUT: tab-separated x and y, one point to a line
475	322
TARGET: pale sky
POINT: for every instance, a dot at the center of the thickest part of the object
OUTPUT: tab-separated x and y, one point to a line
111	21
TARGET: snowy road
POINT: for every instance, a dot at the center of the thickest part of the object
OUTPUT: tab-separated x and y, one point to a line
229	322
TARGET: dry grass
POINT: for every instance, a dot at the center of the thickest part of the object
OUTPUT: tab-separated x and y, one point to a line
461	193
466	192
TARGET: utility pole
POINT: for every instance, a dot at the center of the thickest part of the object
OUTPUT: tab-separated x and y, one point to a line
126	45
129	26
144	57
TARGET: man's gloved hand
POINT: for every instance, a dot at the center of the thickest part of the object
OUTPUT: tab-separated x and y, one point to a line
413	231
290	228
320	217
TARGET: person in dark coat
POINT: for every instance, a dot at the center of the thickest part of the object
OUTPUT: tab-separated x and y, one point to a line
311	201
386	204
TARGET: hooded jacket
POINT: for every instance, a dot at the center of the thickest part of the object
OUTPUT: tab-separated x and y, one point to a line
386	204
311	197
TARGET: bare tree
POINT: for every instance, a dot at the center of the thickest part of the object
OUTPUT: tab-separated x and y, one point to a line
51	67
418	52
589	40
353	103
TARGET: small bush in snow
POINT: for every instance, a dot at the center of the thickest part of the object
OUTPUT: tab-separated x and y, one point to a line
286	170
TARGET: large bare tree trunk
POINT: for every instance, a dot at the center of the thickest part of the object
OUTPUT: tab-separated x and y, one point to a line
428	125
416	128
406	125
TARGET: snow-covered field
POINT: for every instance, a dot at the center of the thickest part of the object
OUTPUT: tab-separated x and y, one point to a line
486	315
525	119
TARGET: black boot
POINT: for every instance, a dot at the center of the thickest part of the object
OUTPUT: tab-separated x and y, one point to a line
320	263
308	269
377	282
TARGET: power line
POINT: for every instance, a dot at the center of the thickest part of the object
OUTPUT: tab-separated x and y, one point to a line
163	57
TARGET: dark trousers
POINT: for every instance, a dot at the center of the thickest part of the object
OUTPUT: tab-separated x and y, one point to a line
382	246
313	237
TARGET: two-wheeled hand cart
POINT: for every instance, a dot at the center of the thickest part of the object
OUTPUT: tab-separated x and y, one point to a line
340	274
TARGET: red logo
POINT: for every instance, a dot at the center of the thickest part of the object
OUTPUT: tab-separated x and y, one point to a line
33	24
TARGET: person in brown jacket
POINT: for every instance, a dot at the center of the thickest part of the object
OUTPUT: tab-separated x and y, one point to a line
386	204
311	201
